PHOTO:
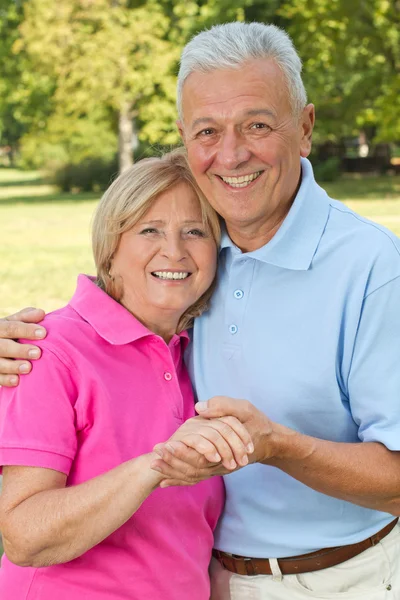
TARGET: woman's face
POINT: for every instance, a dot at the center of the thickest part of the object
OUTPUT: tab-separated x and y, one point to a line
166	261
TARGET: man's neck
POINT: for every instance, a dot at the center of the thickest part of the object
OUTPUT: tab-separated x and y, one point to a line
252	236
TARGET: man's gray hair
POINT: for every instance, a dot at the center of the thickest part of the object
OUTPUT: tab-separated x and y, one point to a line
230	45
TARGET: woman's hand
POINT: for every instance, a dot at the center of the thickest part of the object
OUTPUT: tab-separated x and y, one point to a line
201	448
15	357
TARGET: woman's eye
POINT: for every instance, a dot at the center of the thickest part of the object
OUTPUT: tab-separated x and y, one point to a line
148	230
197	233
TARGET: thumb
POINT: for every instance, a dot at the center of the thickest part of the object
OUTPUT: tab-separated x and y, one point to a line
221	406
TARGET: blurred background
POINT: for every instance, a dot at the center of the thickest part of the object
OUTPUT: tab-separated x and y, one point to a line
88	86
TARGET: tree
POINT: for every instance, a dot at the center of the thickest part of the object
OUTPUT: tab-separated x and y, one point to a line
24	97
104	55
351	55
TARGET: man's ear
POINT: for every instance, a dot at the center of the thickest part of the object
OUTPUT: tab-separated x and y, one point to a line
179	125
307	121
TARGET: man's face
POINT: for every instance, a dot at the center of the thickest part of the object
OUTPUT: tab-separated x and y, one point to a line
244	143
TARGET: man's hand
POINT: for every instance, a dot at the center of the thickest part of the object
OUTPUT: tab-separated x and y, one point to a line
181	465
259	426
15	357
217	445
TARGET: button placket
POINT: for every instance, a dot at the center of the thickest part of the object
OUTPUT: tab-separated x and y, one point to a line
240	276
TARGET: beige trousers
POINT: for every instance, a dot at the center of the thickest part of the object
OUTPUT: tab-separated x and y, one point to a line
372	575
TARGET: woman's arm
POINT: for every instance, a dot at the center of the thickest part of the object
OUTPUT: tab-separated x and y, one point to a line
44	523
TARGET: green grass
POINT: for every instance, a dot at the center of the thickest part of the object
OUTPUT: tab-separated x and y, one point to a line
45	235
45	243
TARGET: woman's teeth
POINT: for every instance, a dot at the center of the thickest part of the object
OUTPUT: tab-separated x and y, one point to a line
170	275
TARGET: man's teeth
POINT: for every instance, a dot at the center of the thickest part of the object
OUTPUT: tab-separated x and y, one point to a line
243	181
170	275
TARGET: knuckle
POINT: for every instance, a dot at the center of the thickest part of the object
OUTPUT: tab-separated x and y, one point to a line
8	367
226	430
8	329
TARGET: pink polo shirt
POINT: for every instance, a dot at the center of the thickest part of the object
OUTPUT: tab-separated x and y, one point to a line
106	390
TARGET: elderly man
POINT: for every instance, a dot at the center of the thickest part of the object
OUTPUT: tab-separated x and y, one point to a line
304	325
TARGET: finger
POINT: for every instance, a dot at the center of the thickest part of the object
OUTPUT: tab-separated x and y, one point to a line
9	380
14	367
240	431
201	444
171	451
182	471
211	435
222	406
237	450
10	328
173	482
28	315
11	349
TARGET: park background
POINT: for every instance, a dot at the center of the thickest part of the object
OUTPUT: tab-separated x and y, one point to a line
88	86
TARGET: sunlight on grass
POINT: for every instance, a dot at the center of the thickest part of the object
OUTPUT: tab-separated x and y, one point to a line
45	235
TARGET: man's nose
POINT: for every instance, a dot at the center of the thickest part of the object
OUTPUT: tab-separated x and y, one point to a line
233	151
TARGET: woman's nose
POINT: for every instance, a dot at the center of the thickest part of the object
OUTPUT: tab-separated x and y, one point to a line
174	247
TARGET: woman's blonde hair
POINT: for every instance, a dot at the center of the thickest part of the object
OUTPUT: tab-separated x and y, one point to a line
126	201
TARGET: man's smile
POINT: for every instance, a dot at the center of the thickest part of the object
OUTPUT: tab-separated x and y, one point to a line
241	181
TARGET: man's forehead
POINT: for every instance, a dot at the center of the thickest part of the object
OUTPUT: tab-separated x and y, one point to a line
255	88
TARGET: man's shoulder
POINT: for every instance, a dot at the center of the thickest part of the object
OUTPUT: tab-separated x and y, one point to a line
361	232
363	247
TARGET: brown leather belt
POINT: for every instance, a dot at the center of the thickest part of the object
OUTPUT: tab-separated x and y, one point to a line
304	563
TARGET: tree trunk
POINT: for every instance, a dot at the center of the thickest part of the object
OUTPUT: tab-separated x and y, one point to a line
125	137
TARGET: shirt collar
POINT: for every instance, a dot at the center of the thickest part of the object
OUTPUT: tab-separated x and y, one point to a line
112	321
296	241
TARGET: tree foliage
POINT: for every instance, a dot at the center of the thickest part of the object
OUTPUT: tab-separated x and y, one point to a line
351	54
78	76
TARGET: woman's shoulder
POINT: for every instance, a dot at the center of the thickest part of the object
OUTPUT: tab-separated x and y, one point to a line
67	334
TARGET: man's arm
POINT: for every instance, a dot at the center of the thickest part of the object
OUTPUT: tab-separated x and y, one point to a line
366	473
15	357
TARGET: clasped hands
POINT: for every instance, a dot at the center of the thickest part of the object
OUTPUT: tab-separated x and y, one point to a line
227	435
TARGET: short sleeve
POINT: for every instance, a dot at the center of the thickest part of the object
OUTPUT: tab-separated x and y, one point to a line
37	418
374	379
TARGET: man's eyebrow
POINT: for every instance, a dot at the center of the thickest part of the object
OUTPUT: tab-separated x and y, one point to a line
202	121
254	112
260	111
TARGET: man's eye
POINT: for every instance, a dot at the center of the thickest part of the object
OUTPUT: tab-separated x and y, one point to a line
260	126
206	132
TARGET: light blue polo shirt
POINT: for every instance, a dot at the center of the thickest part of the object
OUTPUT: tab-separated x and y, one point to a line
307	328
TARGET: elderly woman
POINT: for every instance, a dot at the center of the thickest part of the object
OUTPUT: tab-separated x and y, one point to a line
79	495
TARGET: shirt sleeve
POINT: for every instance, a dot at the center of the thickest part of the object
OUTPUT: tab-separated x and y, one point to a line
374	380
37	418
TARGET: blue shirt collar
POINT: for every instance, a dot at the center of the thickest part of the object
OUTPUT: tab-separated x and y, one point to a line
296	241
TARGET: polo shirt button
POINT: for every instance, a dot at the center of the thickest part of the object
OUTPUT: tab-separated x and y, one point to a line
238	294
233	329
167	376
